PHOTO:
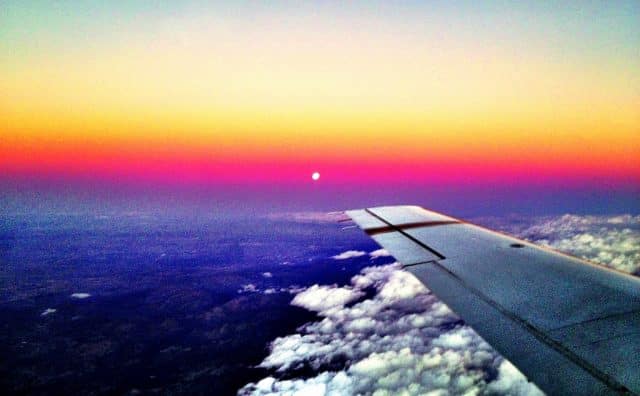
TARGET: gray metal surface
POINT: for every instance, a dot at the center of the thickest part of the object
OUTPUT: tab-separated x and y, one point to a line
571	326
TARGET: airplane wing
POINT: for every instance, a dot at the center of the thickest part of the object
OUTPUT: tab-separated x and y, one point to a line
570	326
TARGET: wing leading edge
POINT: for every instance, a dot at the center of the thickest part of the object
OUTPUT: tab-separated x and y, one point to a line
571	326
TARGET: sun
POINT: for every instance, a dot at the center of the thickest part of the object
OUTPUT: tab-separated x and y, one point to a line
315	176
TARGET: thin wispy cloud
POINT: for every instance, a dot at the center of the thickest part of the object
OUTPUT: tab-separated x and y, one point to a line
48	311
349	254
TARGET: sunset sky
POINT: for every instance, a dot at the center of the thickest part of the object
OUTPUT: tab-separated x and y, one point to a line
215	92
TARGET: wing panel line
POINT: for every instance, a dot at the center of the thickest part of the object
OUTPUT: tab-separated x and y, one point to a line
388	224
406	226
401	231
560	348
613	315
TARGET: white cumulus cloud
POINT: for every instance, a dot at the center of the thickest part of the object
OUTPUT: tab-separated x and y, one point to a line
349	254
322	298
379	253
613	241
403	340
248	288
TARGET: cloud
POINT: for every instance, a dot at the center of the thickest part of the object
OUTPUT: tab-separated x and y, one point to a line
403	340
510	379
293	289
48	311
252	288
379	253
349	254
613	248
323	298
613	241
248	288
267	274
80	296
309	217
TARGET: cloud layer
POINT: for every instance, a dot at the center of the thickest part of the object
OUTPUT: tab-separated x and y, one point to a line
613	241
402	340
349	254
